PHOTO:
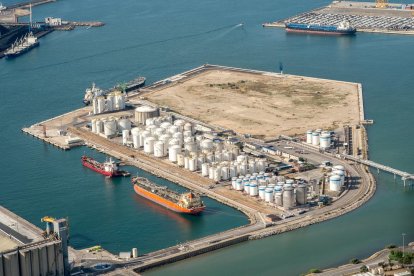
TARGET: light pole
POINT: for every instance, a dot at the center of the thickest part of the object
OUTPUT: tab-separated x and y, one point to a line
403	236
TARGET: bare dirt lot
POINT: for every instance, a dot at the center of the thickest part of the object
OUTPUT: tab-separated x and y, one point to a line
263	105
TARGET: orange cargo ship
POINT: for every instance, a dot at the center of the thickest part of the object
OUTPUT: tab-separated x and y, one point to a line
187	203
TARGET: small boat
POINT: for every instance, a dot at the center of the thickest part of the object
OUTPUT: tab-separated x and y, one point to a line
187	203
109	168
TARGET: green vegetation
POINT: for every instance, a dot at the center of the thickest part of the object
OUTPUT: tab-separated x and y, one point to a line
396	255
390	246
363	269
355	261
314	270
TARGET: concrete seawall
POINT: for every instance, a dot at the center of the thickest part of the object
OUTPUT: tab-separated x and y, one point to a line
192	253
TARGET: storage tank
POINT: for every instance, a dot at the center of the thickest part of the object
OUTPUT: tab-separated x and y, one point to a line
279	199
290	181
144	134
110	128
190	146
124	124
241	158
179	137
159	149
242	168
217	173
325	141
110	102
288	198
339	168
172	153
149	144
252	166
125	136
309	137
210	158
206	144
239	185
211	172
165	125
99	126
261	164
192	164
262	192
100	104
225	174
135	131
301	194
315	138
188	127
187	133
269	195
119	101
341	174
180	159
142	113
253	189
186	162
247	187
93	125
136	141
159	131
233	170
204	169
173	129
335	183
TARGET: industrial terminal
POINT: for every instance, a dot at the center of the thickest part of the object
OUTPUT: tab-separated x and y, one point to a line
378	17
281	159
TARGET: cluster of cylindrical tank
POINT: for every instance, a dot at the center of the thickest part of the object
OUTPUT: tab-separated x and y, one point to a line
277	190
217	160
319	138
111	126
111	102
337	178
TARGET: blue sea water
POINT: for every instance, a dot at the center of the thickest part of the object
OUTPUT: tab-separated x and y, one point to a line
162	38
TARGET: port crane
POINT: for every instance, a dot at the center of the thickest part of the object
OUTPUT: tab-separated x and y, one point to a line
381	4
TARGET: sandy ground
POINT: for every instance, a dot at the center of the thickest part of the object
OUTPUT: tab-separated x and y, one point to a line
262	105
6	243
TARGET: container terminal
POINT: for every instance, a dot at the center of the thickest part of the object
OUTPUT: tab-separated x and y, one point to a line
374	17
288	151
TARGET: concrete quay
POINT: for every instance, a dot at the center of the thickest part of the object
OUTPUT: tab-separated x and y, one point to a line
364	16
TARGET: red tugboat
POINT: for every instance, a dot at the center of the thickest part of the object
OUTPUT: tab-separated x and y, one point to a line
109	168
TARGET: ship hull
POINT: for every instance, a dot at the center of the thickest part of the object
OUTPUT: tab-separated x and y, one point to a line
166	203
25	50
135	86
92	167
320	32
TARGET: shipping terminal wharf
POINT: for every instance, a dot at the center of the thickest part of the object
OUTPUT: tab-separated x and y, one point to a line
259	145
371	17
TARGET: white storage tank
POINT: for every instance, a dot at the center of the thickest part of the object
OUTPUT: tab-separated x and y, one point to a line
288	197
315	138
159	131
159	149
125	136
172	153
190	146
188	127
217	173
239	185
192	164
206	144
247	188
136	141
341	174
242	168
225	173
204	169
119	100
262	192
124	124
269	194
110	128
180	159
253	189
99	126
309	137
186	162
339	168
335	183
165	125
325	141
144	112
149	144
100	104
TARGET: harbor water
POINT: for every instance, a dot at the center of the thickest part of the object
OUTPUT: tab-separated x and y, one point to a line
158	39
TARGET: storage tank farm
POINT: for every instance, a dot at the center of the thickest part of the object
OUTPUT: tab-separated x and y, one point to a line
113	101
178	142
319	138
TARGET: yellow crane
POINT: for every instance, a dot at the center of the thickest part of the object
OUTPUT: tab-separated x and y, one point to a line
48	219
381	4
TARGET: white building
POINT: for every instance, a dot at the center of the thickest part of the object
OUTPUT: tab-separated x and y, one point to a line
51	21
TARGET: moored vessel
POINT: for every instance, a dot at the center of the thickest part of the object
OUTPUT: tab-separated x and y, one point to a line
22	45
343	28
108	168
188	203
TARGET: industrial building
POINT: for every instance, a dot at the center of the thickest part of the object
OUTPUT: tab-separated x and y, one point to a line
48	256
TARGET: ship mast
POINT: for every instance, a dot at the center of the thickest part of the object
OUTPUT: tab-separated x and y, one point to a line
30	22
